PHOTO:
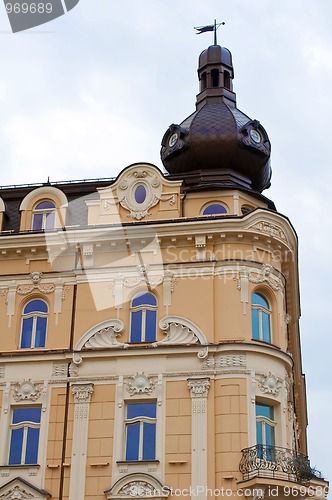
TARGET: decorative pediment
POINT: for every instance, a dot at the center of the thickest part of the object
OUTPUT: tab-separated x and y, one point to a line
102	335
138	189
137	485
20	489
182	331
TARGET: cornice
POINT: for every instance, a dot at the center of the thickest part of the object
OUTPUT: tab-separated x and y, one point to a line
181	227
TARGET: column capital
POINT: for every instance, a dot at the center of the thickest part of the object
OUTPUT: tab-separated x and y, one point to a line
82	392
199	387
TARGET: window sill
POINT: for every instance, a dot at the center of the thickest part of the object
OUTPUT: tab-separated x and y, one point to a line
264	342
20	466
125	462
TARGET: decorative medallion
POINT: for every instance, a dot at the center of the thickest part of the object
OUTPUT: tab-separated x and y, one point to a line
140	384
27	390
269	384
139	190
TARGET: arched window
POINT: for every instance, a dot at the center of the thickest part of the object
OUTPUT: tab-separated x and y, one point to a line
260	312
34	324
214	209
43	215
143	318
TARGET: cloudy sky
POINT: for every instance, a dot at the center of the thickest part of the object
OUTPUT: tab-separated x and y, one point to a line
93	91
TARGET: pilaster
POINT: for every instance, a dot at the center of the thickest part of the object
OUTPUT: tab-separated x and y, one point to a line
82	396
199	388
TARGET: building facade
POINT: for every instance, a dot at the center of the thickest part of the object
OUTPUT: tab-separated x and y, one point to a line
149	324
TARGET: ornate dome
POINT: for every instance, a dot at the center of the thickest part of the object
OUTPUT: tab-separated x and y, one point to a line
218	143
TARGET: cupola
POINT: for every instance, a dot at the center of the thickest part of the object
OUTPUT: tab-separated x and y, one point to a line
218	145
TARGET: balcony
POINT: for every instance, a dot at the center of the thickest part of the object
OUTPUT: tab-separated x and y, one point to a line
275	463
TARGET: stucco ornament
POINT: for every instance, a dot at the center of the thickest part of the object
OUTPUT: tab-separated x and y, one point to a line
266	277
140	384
27	390
145	179
16	493
35	278
137	489
270	384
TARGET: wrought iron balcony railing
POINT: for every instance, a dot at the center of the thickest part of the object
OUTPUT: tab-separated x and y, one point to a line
275	463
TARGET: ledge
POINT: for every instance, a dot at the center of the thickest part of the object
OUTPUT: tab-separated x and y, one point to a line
127	462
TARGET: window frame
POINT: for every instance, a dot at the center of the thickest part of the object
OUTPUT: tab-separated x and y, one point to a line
260	311
34	315
272	424
26	425
214	203
141	419
143	308
44	212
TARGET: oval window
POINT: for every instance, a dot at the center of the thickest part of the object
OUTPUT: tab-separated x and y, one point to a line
140	194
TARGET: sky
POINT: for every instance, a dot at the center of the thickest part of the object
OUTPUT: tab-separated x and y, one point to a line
93	91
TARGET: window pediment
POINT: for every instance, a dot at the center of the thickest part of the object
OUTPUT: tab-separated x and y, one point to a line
20	489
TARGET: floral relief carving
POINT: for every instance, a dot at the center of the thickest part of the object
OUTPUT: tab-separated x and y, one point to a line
82	393
16	493
140	384
137	489
269	384
199	387
266	277
36	278
27	390
271	229
143	277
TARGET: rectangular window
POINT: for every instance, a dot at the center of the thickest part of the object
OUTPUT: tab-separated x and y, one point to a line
24	439
141	431
265	431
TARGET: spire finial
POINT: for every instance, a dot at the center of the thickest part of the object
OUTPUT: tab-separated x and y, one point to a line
209	27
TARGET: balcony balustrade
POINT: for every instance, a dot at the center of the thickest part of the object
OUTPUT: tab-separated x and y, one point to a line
275	463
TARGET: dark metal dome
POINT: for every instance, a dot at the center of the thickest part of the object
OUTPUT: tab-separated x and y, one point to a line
218	141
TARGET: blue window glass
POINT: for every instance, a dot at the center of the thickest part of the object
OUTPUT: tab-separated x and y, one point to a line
133	432
144	299
265	431
44	205
143	318
140	194
36	305
43	215
260	317
24	436
214	209
34	324
141	431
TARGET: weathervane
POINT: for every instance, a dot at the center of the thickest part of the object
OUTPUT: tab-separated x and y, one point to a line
209	27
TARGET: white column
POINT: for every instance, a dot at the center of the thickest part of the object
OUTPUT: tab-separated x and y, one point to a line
199	388
82	396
